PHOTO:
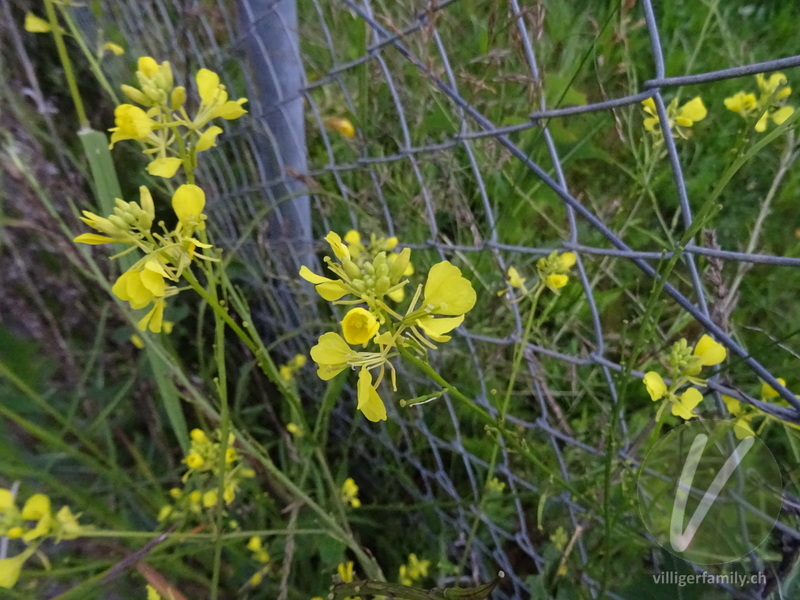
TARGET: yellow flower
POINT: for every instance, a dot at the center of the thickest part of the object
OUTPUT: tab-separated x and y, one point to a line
557	281
655	385
777	116
194	461
359	326
37	508
446	292
417	569
369	402
132	123
331	354
350	493
210	498
164	167
34	24
514	280
741	103
684	407
343	126
709	351
680	119
295	429
214	99
67	524
768	86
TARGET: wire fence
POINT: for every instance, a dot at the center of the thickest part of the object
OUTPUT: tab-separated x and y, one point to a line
270	192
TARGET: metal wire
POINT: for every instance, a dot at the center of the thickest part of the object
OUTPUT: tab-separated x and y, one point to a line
251	178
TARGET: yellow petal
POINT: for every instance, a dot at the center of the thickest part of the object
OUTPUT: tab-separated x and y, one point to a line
188	202
10	568
742	429
147	65
447	292
6	500
230	110
339	249
352	237
93	239
768	392
208	139
761	125
331	353
694	110
207	85
164	167
312	277
732	404
655	385
780	115
369	402
34	24
37	507
649	106
557	281
154	282
436	328
709	351
154	319
332	290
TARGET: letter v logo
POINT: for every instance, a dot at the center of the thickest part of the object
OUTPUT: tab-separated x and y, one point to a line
680	538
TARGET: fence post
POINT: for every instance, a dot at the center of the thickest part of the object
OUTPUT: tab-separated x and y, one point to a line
271	43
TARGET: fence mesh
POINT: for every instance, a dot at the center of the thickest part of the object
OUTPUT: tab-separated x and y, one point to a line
431	166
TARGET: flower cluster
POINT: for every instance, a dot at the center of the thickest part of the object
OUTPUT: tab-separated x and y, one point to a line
414	571
769	105
288	371
172	137
552	274
350	493
744	414
151	280
32	524
367	276
261	556
681	119
202	478
685	365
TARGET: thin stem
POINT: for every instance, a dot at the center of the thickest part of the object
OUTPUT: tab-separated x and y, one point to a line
72	83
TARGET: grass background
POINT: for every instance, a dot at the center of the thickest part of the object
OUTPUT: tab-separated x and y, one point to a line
83	415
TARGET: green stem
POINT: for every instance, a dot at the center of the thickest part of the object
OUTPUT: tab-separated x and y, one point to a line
61	47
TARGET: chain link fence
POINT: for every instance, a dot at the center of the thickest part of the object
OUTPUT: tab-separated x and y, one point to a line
431	171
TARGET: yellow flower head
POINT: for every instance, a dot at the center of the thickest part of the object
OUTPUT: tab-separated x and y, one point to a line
369	402
350	493
655	385
684	407
214	99
359	326
556	281
680	118
769	85
691	112
741	103
132	123
331	353
446	292
514	279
